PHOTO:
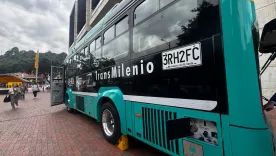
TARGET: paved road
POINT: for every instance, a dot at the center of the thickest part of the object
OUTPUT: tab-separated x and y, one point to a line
37	129
40	130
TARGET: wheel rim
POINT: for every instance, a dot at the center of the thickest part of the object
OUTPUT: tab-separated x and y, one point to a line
108	122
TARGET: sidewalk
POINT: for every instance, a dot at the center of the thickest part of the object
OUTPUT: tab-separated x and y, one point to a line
36	129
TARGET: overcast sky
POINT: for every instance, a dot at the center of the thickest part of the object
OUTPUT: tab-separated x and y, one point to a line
35	24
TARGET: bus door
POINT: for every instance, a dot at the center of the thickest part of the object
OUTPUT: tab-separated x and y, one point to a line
57	85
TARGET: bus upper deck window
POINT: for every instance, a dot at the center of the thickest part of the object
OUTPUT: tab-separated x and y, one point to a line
165	2
86	52
122	26
109	50
81	54
109	34
165	29
98	42
92	47
122	46
97	53
144	10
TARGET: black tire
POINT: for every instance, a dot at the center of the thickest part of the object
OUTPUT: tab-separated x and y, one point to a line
114	138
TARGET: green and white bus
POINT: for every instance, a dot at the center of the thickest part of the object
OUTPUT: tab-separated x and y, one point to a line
179	75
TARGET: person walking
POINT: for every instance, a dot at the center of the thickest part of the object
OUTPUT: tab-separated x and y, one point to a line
14	93
26	88
35	89
22	89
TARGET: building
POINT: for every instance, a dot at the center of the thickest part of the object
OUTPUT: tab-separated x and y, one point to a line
32	78
84	15
266	11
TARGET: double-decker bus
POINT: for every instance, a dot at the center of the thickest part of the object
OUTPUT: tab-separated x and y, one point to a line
179	75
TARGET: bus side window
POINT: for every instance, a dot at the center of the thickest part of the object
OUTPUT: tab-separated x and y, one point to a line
165	2
98	42
145	9
97	53
86	52
109	34
92	47
119	47
77	57
81	55
108	50
165	30
122	26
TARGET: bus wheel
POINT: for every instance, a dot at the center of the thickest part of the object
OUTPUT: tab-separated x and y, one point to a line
110	123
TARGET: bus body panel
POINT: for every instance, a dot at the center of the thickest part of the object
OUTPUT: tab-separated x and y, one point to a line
253	142
91	106
150	127
241	69
242	141
226	135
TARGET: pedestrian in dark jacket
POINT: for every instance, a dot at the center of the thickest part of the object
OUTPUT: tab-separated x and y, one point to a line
22	89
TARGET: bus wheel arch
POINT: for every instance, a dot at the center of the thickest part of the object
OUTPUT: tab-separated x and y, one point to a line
110	120
102	101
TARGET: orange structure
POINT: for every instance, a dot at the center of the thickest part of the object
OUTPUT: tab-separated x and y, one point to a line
9	80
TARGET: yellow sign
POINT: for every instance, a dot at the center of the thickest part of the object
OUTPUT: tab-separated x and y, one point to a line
9	85
36	60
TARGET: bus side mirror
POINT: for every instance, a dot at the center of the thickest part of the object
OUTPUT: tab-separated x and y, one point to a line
268	38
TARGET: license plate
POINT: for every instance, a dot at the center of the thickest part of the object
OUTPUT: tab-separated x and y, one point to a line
182	57
192	149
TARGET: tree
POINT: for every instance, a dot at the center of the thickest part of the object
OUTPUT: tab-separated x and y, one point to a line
14	61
